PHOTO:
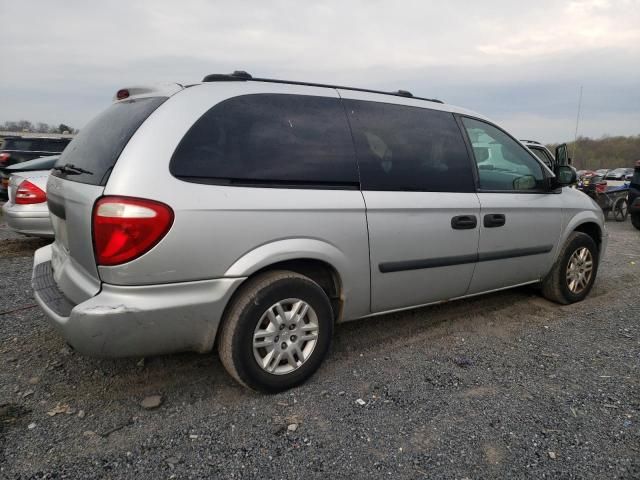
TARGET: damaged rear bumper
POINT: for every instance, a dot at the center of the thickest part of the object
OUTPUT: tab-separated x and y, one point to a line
122	321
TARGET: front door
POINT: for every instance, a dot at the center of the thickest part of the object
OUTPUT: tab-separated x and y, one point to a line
520	220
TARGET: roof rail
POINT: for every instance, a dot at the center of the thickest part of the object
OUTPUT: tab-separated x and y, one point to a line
531	141
241	75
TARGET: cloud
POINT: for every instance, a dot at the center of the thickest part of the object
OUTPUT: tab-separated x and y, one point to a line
499	57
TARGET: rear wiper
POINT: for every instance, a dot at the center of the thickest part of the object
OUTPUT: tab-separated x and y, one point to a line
71	169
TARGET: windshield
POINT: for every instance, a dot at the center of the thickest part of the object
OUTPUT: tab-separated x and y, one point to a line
99	144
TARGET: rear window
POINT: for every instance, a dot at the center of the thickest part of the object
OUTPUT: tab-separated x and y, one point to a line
45	145
99	144
409	148
270	140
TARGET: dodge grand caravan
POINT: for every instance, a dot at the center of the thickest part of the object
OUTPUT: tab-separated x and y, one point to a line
251	215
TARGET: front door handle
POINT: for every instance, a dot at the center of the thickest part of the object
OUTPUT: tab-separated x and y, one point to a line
464	222
492	220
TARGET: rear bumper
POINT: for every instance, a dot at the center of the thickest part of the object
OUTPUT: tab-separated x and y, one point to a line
28	221
124	321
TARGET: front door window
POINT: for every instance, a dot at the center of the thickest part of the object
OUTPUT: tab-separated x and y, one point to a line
503	164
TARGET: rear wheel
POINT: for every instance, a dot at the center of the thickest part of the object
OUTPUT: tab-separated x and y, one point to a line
574	273
276	331
635	220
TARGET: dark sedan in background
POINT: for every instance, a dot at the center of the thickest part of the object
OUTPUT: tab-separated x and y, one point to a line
16	150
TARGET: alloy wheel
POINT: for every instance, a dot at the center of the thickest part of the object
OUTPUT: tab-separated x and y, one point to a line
579	270
285	336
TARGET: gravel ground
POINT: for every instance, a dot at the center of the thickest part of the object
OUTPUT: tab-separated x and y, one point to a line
502	386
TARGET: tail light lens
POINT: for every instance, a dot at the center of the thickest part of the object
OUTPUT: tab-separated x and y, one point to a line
28	194
4	159
124	228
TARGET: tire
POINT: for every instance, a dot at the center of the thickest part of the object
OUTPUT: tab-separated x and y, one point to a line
635	220
556	285
247	316
620	210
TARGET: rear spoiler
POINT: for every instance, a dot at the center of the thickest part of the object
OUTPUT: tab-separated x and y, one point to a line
160	90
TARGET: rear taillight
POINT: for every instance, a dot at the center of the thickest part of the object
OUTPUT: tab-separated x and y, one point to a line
28	194
125	228
4	159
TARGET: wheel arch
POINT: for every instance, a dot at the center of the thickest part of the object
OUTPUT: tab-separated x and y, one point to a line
593	230
588	222
320	261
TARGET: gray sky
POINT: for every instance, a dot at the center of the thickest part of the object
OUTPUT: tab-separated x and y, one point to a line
519	63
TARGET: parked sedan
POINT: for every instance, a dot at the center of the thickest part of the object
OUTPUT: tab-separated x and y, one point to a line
42	163
617	174
27	212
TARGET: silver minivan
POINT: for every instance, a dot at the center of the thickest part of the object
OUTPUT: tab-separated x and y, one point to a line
251	215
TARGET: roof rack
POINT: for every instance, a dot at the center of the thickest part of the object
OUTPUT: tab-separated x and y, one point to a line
241	75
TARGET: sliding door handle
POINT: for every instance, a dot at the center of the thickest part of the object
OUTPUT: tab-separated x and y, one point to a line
493	220
464	222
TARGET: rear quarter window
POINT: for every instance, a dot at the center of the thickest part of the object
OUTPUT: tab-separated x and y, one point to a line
99	144
269	140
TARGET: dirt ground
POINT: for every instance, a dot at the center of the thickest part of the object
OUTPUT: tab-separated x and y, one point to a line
507	385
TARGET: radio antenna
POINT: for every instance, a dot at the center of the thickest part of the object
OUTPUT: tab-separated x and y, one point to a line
575	137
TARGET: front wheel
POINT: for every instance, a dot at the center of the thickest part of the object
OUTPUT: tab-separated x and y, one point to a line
276	331
572	277
635	220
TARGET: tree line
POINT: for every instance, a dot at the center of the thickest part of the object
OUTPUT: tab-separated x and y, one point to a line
39	127
606	152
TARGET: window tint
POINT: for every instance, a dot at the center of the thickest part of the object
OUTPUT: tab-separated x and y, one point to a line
270	139
99	144
503	164
409	148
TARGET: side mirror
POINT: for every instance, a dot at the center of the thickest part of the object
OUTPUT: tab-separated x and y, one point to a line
565	175
526	182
